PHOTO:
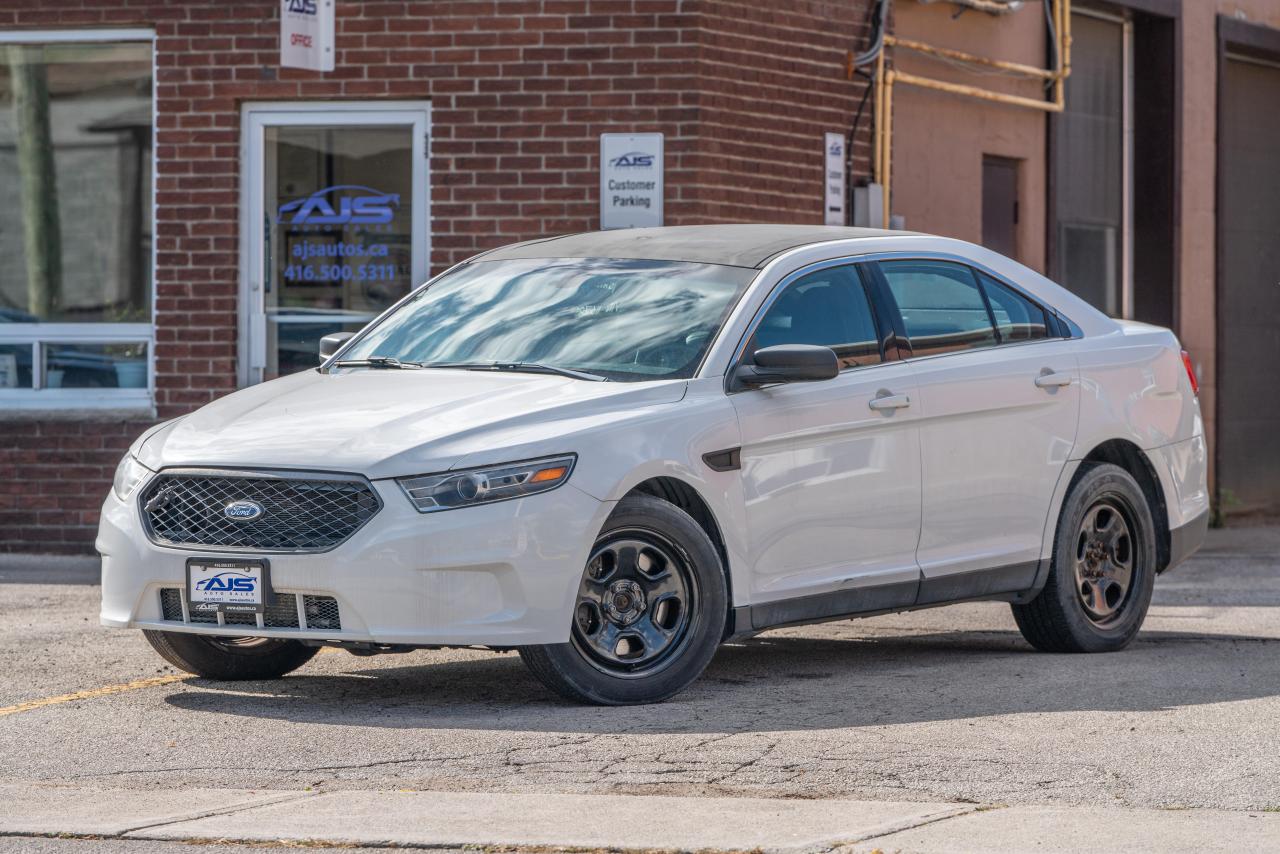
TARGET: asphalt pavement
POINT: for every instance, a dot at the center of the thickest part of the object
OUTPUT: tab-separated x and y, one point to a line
945	712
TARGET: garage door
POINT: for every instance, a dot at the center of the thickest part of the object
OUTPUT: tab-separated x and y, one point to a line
1249	294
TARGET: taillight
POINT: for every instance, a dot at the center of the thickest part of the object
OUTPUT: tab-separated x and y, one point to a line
1191	372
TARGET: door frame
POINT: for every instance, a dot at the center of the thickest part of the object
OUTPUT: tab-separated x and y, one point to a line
255	117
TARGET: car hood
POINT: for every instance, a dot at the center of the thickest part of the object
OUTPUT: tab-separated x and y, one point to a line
389	423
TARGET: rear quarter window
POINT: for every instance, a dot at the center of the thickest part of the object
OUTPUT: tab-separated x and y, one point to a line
1017	318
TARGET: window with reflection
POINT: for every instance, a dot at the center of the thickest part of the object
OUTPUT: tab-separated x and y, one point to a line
628	321
1017	318
75	153
76	232
828	308
941	305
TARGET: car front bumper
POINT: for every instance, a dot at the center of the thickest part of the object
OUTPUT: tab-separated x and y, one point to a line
503	574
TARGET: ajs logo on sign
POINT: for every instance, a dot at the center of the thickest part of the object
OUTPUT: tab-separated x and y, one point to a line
302	7
632	159
341	204
228	582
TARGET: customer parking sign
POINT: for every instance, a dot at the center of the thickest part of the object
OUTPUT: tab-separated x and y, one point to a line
631	170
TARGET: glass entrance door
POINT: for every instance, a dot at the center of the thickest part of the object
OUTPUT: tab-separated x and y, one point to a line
336	225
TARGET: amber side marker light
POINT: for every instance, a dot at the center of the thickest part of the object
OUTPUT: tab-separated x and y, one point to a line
549	474
1191	373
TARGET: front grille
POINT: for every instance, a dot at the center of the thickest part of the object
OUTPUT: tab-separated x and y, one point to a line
299	513
321	612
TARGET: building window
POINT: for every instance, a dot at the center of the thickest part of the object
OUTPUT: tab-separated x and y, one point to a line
76	123
1092	146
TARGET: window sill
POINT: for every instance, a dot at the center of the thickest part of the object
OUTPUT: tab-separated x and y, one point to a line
73	404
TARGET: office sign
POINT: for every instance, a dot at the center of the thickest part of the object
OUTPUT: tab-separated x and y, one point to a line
631	170
833	179
306	34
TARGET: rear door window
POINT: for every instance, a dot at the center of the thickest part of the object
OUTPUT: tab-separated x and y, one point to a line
1017	318
942	307
828	308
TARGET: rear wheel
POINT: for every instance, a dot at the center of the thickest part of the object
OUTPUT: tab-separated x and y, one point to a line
1103	569
228	658
649	614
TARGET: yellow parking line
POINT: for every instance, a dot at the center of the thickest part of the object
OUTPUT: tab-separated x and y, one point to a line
104	691
108	690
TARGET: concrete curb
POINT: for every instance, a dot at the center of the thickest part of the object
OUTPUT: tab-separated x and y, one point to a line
1069	830
458	819
616	822
453	820
49	811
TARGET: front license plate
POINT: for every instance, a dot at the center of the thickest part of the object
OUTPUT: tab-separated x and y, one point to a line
227	585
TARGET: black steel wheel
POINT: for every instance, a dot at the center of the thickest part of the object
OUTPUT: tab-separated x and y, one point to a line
1103	567
1104	561
649	613
636	604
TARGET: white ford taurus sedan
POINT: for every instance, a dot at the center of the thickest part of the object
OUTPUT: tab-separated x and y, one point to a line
614	451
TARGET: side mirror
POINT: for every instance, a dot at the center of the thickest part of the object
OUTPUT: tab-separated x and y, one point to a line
787	363
331	344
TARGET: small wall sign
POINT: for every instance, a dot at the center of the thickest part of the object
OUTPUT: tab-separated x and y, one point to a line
631	169
833	179
306	34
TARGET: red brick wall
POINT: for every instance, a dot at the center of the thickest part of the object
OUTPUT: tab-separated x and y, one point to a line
772	81
54	476
520	91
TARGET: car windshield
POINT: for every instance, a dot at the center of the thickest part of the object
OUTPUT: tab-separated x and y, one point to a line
624	320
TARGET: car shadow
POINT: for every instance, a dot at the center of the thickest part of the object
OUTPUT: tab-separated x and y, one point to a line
779	683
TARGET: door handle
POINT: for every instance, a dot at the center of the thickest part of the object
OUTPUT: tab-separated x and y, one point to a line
885	402
1050	379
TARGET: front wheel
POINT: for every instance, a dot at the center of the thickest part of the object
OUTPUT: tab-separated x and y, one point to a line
649	614
230	659
1103	570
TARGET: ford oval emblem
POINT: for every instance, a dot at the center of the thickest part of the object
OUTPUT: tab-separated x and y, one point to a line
243	511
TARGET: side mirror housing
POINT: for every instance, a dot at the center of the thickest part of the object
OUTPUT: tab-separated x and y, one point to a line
787	363
331	344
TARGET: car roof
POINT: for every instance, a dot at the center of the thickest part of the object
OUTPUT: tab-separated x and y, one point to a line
732	245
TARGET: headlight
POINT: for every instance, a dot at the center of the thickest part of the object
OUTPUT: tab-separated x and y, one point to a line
129	474
465	487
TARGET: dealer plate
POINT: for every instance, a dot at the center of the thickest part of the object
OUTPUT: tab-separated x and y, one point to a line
227	585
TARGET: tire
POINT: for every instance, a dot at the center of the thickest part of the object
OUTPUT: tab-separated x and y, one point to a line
653	579
230	659
1087	604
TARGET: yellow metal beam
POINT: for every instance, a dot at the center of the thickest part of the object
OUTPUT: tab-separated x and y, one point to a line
876	169
961	56
886	78
974	92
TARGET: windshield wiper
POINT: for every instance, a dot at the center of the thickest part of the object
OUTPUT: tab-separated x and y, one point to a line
389	362
520	367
